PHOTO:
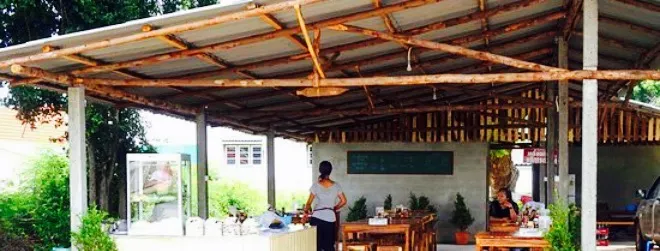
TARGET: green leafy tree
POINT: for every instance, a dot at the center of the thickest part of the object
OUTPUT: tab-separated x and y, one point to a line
647	91
27	20
461	217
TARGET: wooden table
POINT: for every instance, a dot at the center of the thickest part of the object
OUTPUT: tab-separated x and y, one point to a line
402	226
509	240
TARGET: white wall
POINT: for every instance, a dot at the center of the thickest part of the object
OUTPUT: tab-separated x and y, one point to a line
469	179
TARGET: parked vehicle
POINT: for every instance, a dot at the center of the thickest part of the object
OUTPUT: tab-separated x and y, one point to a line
647	218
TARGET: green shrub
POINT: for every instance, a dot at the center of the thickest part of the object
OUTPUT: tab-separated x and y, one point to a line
39	211
461	217
50	201
420	203
15	218
387	205
288	199
564	232
92	236
358	211
222	195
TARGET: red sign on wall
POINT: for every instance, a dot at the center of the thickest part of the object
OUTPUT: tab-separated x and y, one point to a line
536	156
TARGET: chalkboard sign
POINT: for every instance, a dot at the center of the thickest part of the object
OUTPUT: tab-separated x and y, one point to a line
401	162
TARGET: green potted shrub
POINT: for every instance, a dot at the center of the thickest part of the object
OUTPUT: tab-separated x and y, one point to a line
92	236
387	205
421	203
461	219
358	211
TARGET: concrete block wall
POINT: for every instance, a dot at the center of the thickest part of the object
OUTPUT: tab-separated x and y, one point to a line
469	179
621	171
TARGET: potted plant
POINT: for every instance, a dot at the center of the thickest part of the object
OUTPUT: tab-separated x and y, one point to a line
461	219
92	236
358	211
387	205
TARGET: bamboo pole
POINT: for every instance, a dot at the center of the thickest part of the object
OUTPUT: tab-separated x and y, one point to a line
641	4
571	18
348	82
371	42
159	32
308	41
485	56
630	26
256	38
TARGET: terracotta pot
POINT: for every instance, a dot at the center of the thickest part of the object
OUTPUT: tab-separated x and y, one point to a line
462	237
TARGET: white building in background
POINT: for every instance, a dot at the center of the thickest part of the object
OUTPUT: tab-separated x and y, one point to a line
20	145
233	155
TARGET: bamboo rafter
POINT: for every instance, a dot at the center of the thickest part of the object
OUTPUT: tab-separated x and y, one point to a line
348	82
448	48
256	38
371	42
160	32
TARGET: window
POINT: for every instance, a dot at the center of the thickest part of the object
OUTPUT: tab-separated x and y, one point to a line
231	155
244	155
256	155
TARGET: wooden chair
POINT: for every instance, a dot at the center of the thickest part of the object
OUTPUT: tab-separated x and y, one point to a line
430	235
360	242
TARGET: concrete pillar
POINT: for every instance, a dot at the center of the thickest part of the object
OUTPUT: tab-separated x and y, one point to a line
77	156
270	147
543	183
551	144
562	104
589	126
202	167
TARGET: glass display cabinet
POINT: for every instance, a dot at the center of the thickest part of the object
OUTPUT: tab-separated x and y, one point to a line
159	193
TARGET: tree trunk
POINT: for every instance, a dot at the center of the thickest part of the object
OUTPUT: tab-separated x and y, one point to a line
91	175
122	199
104	195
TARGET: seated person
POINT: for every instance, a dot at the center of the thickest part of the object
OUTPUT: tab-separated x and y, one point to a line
504	208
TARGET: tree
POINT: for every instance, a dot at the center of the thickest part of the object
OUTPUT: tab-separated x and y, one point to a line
26	20
647	91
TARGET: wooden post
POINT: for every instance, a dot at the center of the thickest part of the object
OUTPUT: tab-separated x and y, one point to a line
589	127
77	157
202	166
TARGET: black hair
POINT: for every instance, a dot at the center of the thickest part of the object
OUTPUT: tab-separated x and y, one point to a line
325	168
508	194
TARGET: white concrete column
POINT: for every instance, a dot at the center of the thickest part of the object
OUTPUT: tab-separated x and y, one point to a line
202	167
562	103
77	156
270	147
589	126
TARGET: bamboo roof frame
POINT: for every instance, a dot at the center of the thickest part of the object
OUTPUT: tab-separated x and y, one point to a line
356	80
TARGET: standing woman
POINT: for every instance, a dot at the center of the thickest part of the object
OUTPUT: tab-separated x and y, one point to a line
327	197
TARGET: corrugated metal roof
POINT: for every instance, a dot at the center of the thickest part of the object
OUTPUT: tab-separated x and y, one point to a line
228	101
